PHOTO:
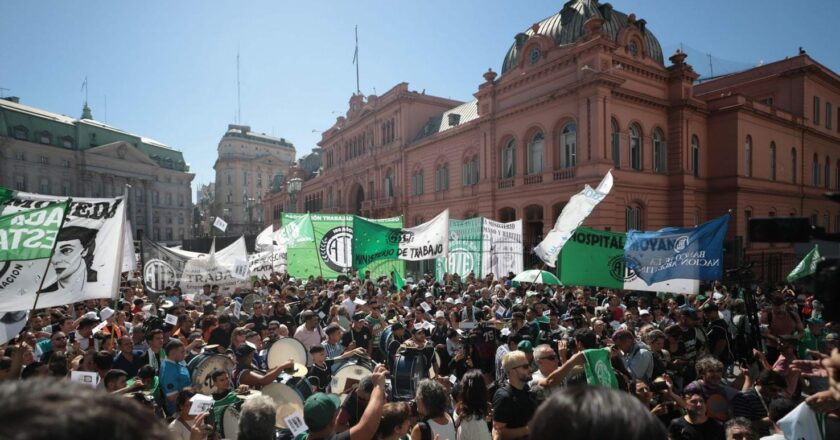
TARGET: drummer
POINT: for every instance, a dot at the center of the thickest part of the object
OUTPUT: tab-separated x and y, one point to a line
358	336
246	374
418	342
320	371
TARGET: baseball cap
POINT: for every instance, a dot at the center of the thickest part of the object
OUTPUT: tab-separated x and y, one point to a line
319	410
440	314
358	316
688	311
643	312
106	313
525	346
245	349
429	295
710	307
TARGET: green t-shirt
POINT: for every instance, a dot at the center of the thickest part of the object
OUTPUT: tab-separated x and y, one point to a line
809	342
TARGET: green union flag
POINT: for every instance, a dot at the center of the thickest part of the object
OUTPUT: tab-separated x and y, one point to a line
31	234
806	267
373	242
465	246
598	369
593	258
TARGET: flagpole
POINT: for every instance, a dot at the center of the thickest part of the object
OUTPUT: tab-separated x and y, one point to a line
356	58
49	260
315	247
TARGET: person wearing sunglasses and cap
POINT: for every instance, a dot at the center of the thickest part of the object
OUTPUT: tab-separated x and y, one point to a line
513	404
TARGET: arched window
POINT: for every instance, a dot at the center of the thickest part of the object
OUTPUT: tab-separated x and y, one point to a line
695	156
442	177
660	160
389	184
417	183
633	217
568	146
536	153
793	167
470	171
635	147
616	144
827	172
748	157
509	160
21	132
772	161
815	170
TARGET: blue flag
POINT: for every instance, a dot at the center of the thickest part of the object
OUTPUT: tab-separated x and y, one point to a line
688	253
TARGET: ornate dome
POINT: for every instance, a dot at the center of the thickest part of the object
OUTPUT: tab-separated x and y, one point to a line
566	27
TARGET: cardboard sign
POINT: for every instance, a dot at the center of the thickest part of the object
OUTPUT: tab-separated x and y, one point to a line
505	331
322	314
453	379
171	319
426	306
237	309
200	404
547	313
220	224
88	378
296	424
240	269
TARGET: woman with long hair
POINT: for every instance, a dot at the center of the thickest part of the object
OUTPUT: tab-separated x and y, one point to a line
473	408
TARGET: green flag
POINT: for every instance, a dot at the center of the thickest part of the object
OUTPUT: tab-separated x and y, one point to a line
398	280
374	242
31	234
598	369
593	258
296	231
807	266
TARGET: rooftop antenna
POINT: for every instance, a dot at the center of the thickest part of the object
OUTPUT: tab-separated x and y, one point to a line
85	88
238	93
356	61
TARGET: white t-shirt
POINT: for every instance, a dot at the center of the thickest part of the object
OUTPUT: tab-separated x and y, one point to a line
179	431
472	428
309	339
350	306
445	431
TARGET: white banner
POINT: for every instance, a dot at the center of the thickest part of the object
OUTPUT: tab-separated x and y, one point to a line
190	270
265	241
573	215
220	224
129	258
427	241
11	324
87	259
262	264
501	248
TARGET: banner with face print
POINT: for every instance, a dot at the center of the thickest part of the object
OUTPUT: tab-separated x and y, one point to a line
87	259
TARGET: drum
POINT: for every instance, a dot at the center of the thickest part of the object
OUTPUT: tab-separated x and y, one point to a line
409	369
288	402
202	365
248	303
301	385
284	349
385	338
230	420
350	374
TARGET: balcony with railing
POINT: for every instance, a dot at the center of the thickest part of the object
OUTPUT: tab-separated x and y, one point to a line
564	174
533	179
507	183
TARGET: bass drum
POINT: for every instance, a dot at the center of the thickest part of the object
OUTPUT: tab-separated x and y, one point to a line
248	303
202	365
284	349
288	402
230	420
349	375
385	338
301	385
409	369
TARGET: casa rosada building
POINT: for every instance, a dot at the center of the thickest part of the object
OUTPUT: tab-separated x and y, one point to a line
582	92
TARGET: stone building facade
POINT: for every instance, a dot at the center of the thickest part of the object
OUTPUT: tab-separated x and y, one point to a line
49	153
247	164
582	92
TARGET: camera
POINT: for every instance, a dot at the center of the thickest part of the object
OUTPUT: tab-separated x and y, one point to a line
658	387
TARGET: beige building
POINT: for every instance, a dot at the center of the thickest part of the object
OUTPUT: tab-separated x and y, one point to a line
248	162
49	153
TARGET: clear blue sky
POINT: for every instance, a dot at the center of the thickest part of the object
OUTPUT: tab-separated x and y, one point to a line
168	68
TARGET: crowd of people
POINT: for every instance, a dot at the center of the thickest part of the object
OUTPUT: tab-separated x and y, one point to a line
489	359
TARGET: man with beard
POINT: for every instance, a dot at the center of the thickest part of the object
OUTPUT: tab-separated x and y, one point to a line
513	404
695	424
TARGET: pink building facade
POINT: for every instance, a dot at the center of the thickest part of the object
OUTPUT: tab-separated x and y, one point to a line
580	93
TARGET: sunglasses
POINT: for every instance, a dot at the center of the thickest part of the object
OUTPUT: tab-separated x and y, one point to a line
548	358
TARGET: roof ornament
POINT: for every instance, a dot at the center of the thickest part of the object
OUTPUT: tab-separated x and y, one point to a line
535	28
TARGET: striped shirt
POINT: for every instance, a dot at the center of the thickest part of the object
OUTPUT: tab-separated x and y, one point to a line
333	350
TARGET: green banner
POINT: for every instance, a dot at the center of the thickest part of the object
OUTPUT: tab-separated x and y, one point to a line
331	253
465	246
593	258
31	234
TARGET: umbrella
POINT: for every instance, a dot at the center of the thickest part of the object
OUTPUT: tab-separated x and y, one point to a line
537	277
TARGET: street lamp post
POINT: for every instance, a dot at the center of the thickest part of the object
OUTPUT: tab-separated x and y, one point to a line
295	185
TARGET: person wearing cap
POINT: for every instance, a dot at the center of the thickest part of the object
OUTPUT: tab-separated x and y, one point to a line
398	337
637	359
245	374
812	337
358	335
376	323
84	332
717	334
309	334
320	411
528	348
513	404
